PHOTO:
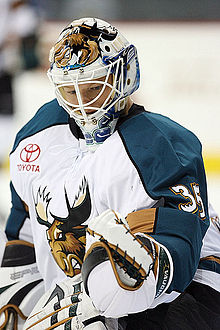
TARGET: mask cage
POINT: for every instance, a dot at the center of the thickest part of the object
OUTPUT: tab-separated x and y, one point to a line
78	111
124	67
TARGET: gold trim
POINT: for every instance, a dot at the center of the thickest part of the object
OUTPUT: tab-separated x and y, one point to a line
212	258
19	242
45	317
60	322
5	309
142	221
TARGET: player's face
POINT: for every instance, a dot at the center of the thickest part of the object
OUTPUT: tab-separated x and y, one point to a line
91	93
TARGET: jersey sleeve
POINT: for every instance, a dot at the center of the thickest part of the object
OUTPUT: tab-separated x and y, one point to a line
18	222
169	161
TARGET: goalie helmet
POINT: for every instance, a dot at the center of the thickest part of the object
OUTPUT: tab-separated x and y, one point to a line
91	51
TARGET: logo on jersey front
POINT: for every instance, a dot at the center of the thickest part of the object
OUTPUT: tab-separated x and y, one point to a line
29	154
66	236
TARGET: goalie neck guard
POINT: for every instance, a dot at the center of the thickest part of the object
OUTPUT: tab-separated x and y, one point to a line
90	51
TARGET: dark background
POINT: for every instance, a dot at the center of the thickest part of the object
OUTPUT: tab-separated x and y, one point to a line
152	10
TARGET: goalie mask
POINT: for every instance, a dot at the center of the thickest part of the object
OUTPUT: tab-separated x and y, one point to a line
93	68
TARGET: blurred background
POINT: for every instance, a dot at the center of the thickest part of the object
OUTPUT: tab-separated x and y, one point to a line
179	51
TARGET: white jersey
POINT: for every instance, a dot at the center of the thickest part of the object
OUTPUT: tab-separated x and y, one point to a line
43	152
158	164
131	171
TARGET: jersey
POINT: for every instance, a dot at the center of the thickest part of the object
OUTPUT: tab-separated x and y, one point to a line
152	161
44	149
64	187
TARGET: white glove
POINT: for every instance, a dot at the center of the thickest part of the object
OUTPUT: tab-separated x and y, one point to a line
130	259
65	307
129	267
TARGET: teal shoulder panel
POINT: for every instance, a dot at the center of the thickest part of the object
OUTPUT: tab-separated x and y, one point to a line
50	114
164	154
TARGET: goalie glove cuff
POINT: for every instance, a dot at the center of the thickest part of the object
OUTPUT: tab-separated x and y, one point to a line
163	264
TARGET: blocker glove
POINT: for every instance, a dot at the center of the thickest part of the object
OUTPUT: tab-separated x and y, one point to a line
66	306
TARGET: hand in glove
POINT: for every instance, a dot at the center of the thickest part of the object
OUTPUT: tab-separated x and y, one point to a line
65	307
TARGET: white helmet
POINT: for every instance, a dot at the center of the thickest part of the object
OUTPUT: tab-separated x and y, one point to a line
90	50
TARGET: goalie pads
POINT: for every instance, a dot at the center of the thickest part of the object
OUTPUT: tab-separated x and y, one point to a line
66	306
21	284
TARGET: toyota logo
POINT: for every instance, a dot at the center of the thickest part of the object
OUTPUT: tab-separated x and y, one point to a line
30	153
